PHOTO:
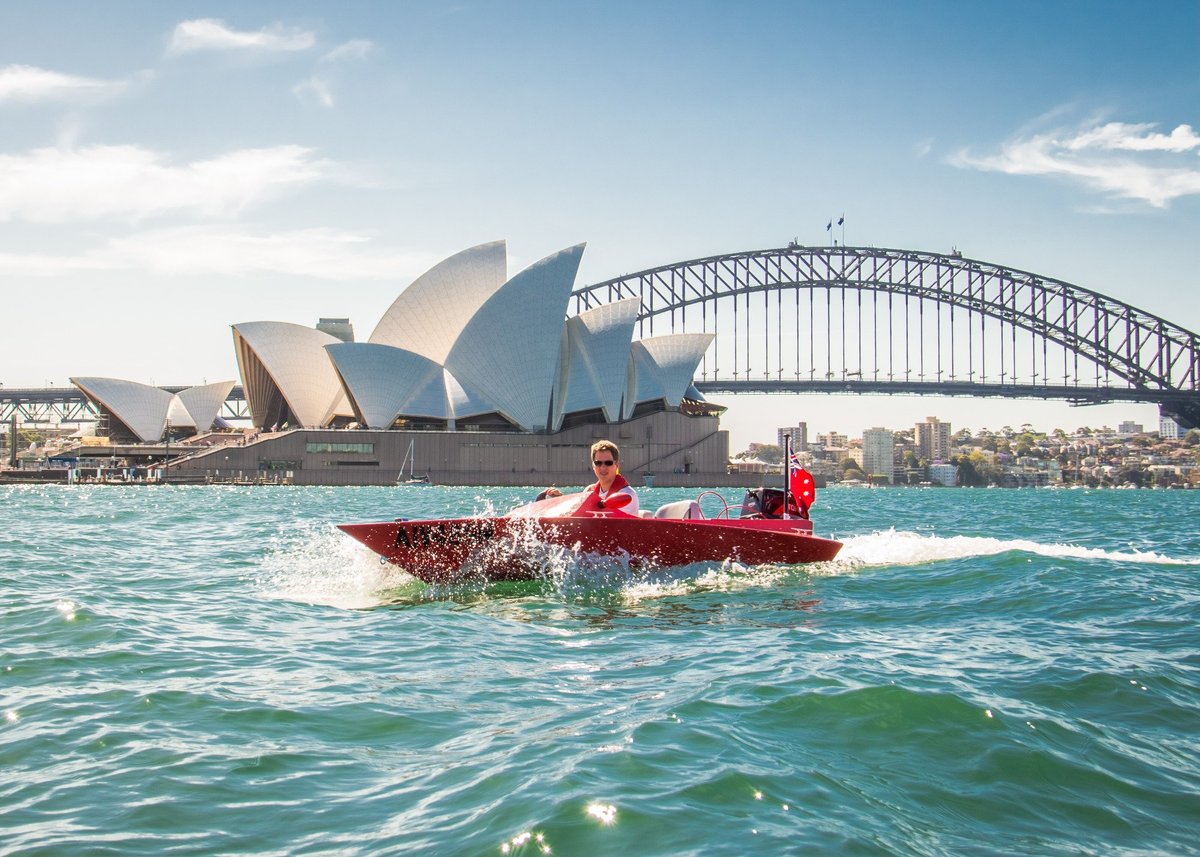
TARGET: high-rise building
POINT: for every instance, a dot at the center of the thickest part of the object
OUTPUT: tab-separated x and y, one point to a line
877	457
1168	429
933	439
799	434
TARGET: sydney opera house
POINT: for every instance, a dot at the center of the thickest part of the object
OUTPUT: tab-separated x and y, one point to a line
470	377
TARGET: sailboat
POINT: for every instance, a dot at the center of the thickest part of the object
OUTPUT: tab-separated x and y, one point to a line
410	461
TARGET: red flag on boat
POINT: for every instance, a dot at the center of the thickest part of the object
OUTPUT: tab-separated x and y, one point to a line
801	484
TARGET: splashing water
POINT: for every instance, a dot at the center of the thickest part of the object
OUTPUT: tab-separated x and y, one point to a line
318	565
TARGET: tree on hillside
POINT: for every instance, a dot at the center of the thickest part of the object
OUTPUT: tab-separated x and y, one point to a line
989	472
968	476
768	452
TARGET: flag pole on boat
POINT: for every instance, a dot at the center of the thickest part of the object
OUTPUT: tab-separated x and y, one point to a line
787	472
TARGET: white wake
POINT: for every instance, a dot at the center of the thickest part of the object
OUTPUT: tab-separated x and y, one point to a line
891	547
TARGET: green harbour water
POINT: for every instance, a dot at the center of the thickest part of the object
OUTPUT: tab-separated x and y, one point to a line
204	670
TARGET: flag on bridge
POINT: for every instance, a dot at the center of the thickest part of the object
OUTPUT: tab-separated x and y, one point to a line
801	484
841	220
829	226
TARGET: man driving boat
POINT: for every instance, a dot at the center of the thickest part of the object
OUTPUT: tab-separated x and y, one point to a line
606	464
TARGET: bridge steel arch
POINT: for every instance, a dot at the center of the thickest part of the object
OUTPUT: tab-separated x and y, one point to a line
875	320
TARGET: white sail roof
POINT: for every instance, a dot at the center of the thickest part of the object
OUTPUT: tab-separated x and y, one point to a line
204	403
177	414
596	359
278	359
510	347
145	410
429	315
463	402
141	408
662	367
384	382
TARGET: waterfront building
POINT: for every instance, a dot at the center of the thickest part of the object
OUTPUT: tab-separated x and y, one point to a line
943	474
484	373
680	447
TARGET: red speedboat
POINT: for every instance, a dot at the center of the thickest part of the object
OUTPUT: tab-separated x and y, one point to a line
514	546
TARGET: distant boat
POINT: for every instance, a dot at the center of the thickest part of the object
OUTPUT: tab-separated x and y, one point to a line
410	461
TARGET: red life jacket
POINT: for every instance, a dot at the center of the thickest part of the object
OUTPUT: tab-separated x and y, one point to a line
593	503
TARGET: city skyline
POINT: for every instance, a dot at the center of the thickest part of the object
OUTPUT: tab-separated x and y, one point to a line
860	436
165	176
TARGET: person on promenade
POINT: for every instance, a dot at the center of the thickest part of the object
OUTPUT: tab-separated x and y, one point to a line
606	464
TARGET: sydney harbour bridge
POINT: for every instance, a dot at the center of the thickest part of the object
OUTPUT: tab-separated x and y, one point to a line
839	319
870	320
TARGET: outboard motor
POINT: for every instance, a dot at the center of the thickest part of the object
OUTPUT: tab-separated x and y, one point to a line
769	503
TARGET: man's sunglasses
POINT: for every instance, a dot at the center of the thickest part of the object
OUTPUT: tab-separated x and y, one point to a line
603	463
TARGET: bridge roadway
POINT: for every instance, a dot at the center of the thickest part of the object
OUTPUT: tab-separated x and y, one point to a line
1072	394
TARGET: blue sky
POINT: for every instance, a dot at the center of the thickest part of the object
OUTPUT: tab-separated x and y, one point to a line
168	169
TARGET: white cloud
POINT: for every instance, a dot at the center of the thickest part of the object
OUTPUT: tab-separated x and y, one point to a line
1135	138
1116	159
29	83
316	88
55	185
352	51
210	34
229	250
319	88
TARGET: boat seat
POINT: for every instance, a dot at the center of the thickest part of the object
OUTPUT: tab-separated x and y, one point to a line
684	509
645	513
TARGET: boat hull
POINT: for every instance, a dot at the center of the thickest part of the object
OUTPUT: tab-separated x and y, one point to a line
513	548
